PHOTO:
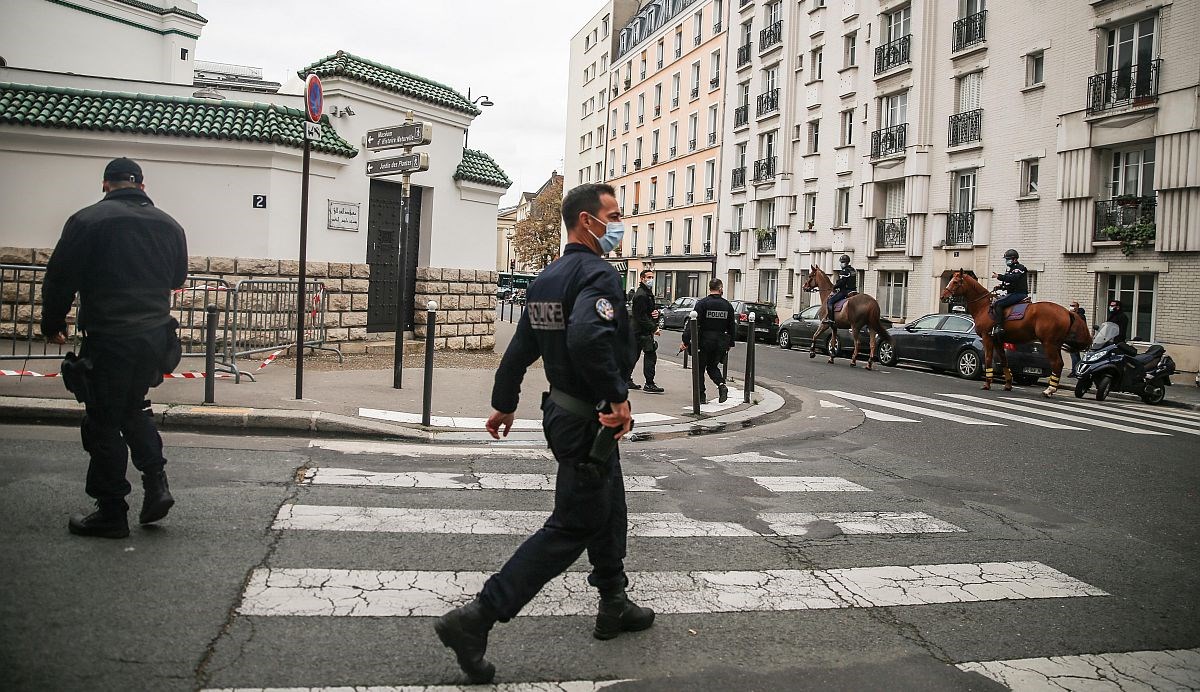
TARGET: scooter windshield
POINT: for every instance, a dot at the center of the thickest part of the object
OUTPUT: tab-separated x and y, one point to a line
1105	335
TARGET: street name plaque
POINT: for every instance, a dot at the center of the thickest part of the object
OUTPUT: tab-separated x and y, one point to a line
407	135
398	165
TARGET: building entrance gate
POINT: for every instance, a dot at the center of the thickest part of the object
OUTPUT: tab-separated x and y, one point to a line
390	237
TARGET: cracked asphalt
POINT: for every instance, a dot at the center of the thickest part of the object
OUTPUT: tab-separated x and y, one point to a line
187	606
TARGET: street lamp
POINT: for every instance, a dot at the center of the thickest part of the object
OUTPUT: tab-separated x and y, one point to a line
509	235
482	101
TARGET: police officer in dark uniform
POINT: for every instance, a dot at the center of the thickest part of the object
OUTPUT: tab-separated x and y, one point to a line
123	256
847	283
717	327
645	328
575	320
1015	282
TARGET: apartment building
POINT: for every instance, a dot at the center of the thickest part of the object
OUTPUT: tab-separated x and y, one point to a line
665	122
921	137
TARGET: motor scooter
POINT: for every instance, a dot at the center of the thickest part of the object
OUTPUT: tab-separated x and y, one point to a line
1118	367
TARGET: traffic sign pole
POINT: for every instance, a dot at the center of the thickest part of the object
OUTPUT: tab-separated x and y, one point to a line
314	102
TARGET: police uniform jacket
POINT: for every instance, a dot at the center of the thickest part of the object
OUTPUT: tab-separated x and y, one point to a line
847	279
123	256
715	321
643	304
575	320
1016	279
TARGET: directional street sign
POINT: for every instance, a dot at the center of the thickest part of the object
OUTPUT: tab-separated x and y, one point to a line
406	135
398	165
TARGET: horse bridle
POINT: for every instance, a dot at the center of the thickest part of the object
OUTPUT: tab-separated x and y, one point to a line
976	300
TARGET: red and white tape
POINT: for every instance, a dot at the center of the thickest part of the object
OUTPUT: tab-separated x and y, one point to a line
171	375
269	359
27	373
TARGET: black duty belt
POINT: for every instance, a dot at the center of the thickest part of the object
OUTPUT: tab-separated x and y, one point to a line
573	405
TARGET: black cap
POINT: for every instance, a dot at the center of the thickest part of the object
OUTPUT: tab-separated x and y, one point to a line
123	170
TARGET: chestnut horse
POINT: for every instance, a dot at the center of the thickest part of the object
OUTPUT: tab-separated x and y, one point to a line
1050	323
860	310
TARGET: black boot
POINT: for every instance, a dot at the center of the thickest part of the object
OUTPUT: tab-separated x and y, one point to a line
157	500
722	393
465	630
618	614
108	521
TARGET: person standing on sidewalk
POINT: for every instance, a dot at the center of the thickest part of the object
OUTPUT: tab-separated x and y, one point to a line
575	321
717	327
123	256
645	326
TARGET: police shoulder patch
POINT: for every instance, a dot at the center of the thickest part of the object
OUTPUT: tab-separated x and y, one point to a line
604	309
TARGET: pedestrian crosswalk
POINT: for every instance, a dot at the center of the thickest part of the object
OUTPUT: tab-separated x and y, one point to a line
376	494
996	409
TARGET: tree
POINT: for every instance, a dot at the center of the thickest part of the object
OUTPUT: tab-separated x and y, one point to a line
537	238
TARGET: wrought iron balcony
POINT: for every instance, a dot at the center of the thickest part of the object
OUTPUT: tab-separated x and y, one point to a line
891	233
666	249
961	229
737	178
770	36
708	194
695	93
743	56
764	169
635	209
657	111
624	168
712	138
1122	212
611	172
766	241
687	249
768	102
628	83
641	119
614	132
670	201
691	197
714	82
674	102
637	164
969	30
654	158
889	140
966	127
679	52
691	145
697	39
741	116
632	251
893	54
672	152
643	74
1134	85
708	247
659	64
649	250
653	203
717	27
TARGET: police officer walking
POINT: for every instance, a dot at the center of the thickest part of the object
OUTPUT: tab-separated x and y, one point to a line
123	256
645	328
575	321
715	322
847	283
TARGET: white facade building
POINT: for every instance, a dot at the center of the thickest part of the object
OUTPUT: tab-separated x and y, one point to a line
587	98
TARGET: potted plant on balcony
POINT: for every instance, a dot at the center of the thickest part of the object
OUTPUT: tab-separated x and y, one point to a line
764	233
1132	236
1127	200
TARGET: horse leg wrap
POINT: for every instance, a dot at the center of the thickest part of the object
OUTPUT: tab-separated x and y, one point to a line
987	374
1050	390
1008	379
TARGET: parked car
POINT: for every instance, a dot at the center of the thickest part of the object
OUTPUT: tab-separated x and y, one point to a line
674	315
798	331
766	320
949	342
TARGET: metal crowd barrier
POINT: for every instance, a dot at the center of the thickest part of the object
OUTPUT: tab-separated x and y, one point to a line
254	316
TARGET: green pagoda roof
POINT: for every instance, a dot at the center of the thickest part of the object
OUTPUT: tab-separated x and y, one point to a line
478	167
167	116
163	10
352	67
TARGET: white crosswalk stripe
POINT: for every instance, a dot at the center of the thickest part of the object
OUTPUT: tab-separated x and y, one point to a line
750	458
886	417
1114	672
876	401
1121	416
808	484
422	450
455	481
959	406
1009	403
567	686
1142	411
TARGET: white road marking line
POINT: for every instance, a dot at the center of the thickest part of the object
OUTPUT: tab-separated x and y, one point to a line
1114	672
808	484
1121	416
402	449
959	406
455	481
373	593
736	397
942	415
885	417
830	404
1007	402
443	421
506	522
651	417
566	686
750	458
1151	412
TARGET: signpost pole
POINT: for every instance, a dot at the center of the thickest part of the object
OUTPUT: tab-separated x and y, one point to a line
314	105
402	280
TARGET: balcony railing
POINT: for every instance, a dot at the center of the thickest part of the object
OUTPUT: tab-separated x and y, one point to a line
891	233
670	201
1130	85
708	194
612	172
768	102
717	27
637	164
712	138
966	127
628	83
770	36
641	119
653	203
741	115
889	140
672	152
678	52
1122	212
735	241
766	242
737	179
695	93
708	247
657	111
654	158
674	102
643	75
691	197
649	250
687	249
666	249
893	54
743	55
691	145
961	229
969	30
714	82
764	169
635	209
697	39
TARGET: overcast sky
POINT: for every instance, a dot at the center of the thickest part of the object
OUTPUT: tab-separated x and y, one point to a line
514	51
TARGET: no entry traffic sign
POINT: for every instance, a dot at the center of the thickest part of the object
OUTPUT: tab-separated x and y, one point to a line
314	98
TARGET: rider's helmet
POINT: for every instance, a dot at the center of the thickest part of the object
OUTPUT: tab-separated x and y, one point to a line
1011	254
844	259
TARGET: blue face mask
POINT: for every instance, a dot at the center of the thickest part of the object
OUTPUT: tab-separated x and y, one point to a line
614	231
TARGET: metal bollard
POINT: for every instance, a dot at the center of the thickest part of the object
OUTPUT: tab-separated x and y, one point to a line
210	354
748	385
697	371
430	328
725	366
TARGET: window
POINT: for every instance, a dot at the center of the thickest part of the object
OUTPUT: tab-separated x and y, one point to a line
766	215
740	155
766	145
706	228
898	24
710	174
850	49
621	199
626	111
687	234
1132	172
964	191
654	144
735	284
770	79
894	110
1130	49
768	285
744	94
968	91
791	282
841	213
642	67
817	61
641	108
670	236
637	151
604	26
1136	293
774	12
1029	178
604	62
698	27
717	16
1035	67
810	210
696	79
679	41
658	53
670	188
673	137
653	193
624	158
657	99
689	180
712	124
183	55
675	90
846	137
747	33
814	136
693	127
893	286
633	243
714	69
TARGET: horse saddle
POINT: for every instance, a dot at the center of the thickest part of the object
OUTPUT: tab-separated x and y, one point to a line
1017	312
837	307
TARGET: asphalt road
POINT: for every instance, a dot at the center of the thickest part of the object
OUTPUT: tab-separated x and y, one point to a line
1041	542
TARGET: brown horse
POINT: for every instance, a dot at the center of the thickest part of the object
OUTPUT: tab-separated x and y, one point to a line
1052	324
860	310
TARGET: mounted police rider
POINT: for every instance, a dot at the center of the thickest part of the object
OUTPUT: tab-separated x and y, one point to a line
847	283
1015	283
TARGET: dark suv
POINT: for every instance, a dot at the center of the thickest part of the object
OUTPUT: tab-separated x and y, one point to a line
766	320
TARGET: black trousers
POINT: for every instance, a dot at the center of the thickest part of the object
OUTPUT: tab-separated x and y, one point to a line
588	515
649	357
118	423
712	352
